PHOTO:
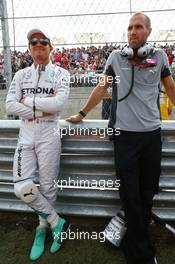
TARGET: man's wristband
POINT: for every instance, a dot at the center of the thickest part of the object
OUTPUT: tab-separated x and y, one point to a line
82	113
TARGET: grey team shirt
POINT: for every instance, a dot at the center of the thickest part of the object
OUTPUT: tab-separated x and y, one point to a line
139	111
51	91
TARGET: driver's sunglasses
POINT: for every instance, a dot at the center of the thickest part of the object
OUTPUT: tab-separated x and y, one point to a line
42	41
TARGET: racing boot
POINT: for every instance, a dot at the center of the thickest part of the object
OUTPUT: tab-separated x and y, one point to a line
38	243
57	232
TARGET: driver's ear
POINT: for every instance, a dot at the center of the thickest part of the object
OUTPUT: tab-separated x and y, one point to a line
29	48
51	47
150	30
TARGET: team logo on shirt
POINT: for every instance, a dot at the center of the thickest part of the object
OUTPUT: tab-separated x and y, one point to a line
53	75
28	74
38	90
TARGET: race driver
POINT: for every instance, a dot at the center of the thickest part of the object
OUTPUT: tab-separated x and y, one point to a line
38	95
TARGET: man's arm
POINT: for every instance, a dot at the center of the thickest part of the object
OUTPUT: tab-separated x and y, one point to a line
107	95
13	105
169	85
52	104
95	97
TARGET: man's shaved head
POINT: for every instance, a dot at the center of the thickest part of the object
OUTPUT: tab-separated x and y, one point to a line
139	30
147	19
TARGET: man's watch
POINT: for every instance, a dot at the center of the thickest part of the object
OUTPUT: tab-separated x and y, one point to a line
82	113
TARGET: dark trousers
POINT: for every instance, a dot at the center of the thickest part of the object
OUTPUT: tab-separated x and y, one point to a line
106	108
138	165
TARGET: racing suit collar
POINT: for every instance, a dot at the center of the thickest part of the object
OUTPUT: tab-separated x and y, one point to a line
36	67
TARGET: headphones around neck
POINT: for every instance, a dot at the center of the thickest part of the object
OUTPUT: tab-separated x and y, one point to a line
142	52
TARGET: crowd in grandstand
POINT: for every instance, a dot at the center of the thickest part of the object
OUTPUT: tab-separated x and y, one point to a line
77	60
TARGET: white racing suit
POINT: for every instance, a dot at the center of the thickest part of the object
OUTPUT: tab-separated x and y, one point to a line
47	88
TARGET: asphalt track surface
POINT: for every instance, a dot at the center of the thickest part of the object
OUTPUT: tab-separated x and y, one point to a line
17	231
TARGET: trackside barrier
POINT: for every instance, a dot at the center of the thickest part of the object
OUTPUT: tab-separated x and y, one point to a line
87	183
